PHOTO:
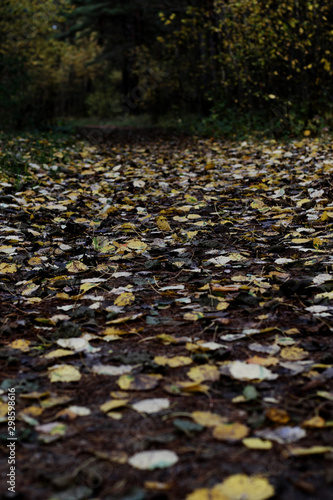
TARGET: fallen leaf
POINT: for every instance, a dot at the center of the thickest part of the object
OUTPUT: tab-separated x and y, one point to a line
21	344
244	371
240	486
64	373
112	404
7	268
206	494
140	382
124	299
59	353
76	266
316	422
193	316
230	432
163	224
111	370
293	353
257	444
173	362
208	419
283	434
154	459
312	450
204	372
277	415
153	405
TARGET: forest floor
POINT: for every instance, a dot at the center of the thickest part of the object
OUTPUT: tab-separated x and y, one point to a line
166	319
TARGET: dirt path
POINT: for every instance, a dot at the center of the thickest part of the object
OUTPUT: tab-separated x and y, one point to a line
168	295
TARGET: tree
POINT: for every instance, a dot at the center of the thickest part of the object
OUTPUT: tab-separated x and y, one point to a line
40	75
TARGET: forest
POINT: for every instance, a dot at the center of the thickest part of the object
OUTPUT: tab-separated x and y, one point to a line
166	235
199	65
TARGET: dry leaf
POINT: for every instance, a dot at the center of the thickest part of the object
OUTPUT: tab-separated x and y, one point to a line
208	419
138	382
204	372
64	373
173	362
240	486
230	432
154	459
124	299
76	266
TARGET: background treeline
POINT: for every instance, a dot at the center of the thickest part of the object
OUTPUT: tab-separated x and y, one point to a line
216	64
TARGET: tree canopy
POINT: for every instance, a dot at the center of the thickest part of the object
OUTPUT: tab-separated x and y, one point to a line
216	58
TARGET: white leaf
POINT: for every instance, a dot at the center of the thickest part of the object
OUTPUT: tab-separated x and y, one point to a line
284	434
151	405
111	370
244	371
155	459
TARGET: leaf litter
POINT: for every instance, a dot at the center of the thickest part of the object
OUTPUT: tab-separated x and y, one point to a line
208	289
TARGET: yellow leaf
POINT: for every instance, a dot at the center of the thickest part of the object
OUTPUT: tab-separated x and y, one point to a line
221	306
306	133
7	268
130	225
34	395
257	204
3	409
63	295
206	494
325	295
316	421
156	485
293	353
64	373
300	241
241	486
326	215
35	261
29	289
317	242
88	286
124	299
140	382
103	245
75	266
292	331
21	345
312	450
257	444
186	387
32	411
163	224
258	360
136	244
208	419
191	234
277	415
111	330
7	249
230	432
112	404
124	319
204	372
59	353
191	199
173	362
193	316
167	339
